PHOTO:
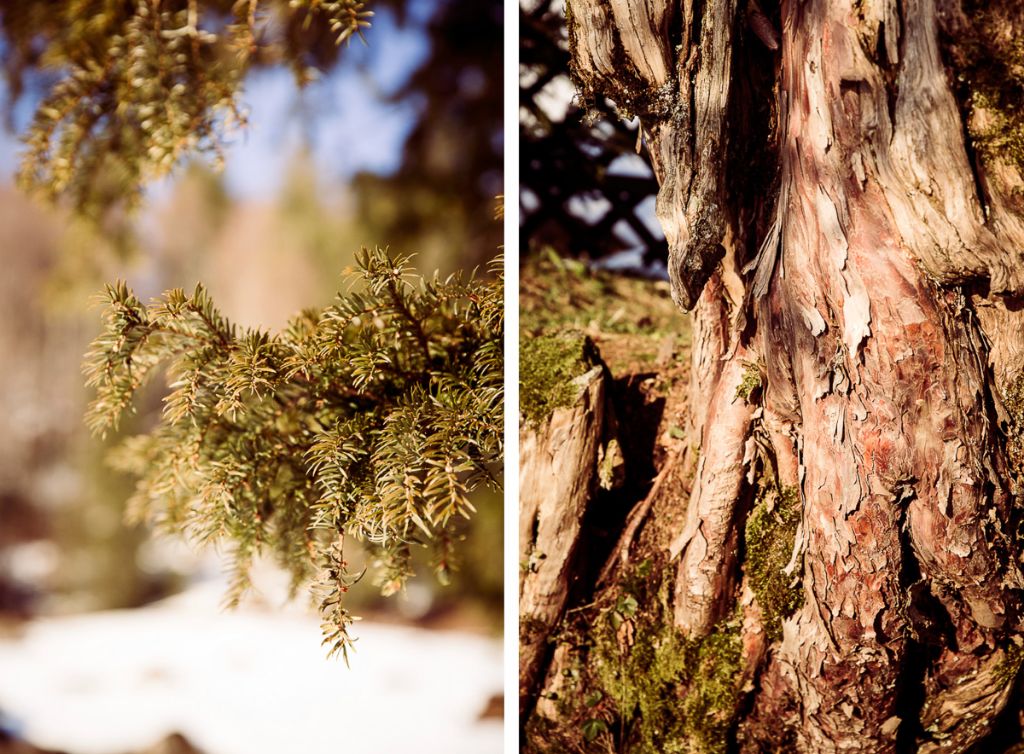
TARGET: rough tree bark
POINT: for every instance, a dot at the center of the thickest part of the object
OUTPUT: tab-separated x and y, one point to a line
558	475
850	237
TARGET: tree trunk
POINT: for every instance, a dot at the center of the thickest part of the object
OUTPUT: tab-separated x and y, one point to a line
844	208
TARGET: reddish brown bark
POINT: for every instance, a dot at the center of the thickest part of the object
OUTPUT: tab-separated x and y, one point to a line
901	454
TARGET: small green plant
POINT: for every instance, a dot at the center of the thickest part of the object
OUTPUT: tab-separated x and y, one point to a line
750	383
373	419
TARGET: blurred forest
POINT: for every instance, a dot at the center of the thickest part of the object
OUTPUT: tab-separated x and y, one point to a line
263	255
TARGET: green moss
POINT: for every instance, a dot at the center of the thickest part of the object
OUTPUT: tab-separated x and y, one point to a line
634	683
988	56
642	679
769	535
630	315
1007	671
672	694
751	381
548	364
1000	133
709	709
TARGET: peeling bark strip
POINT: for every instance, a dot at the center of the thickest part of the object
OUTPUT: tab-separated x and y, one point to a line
884	274
706	548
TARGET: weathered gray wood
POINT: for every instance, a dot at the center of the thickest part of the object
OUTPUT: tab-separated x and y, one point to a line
558	474
683	115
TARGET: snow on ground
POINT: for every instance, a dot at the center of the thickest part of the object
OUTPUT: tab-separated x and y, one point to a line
249	681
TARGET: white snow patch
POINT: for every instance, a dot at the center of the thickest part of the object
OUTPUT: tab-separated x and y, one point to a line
249	681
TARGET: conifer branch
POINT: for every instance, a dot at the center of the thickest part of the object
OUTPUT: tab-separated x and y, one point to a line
288	442
145	84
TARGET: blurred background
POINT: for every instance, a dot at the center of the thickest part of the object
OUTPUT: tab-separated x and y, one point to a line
587	190
112	640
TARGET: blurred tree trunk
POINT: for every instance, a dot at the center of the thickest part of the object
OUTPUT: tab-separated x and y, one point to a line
843	203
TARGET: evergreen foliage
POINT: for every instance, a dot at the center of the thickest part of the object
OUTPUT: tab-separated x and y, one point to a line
142	84
373	419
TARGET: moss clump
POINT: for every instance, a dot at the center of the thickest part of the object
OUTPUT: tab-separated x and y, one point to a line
548	364
988	56
998	129
713	695
643	681
751	381
671	694
769	535
1006	672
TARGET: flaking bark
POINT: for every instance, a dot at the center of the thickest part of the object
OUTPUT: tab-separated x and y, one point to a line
871	275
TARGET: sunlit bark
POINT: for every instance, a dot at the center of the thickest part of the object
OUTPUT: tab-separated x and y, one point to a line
832	227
